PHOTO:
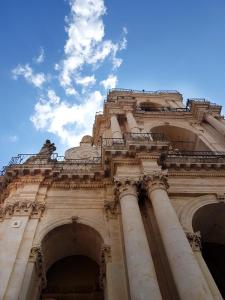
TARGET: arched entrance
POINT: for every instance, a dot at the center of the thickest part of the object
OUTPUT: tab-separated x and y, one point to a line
72	263
210	221
181	138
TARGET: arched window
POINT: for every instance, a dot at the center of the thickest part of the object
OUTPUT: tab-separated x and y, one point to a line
180	138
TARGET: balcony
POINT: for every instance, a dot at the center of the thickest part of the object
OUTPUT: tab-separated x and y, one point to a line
26	163
162	109
193	159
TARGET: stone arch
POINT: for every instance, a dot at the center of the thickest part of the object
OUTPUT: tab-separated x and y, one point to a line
187	211
64	242
209	220
182	137
149	106
92	222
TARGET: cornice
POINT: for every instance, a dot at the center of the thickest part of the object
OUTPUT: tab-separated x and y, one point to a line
196	174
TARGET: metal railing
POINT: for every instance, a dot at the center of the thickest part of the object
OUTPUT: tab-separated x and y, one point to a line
192	157
145	136
143	91
162	109
38	160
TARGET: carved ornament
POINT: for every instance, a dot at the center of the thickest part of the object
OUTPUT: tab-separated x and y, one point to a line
33	209
36	256
111	209
124	187
105	257
156	180
194	239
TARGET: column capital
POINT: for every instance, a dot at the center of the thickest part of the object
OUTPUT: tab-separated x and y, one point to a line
194	239
156	180
125	186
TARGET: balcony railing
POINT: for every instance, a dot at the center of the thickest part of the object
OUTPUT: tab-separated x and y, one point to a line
162	109
128	137
143	91
192	157
40	161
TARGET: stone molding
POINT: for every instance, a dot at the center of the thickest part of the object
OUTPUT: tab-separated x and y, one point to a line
33	209
194	239
220	197
36	256
156	180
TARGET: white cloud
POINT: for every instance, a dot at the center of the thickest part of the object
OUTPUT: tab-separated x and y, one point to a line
85	44
13	138
85	50
69	122
86	81
37	79
110	82
41	56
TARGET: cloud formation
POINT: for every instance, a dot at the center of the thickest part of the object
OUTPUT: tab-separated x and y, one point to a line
41	56
110	82
85	51
85	44
69	121
37	79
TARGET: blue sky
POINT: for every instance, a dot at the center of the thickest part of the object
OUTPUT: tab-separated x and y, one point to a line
58	59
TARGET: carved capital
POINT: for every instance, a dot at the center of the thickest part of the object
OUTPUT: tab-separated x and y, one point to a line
36	256
124	187
156	180
194	239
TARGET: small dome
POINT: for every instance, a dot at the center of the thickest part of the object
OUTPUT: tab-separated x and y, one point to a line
86	139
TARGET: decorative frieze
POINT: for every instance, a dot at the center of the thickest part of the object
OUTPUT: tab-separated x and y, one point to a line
33	209
36	256
194	239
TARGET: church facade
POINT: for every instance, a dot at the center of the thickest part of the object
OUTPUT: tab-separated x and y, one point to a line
136	212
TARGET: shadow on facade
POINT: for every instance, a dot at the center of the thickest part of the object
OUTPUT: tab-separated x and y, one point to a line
210	221
72	264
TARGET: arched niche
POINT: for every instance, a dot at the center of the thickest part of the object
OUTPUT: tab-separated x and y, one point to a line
72	264
150	106
181	138
210	221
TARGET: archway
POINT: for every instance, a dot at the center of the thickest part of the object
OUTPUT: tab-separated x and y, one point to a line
181	138
72	263
210	221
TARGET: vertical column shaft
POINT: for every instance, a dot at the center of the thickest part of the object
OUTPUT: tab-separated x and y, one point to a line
132	124
215	123
187	274
115	128
141	273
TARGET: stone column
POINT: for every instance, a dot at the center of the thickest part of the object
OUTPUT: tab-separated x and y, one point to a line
194	239
187	274
215	123
141	273
115	128
132	124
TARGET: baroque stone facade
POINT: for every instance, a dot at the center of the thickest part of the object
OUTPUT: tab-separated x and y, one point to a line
135	212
